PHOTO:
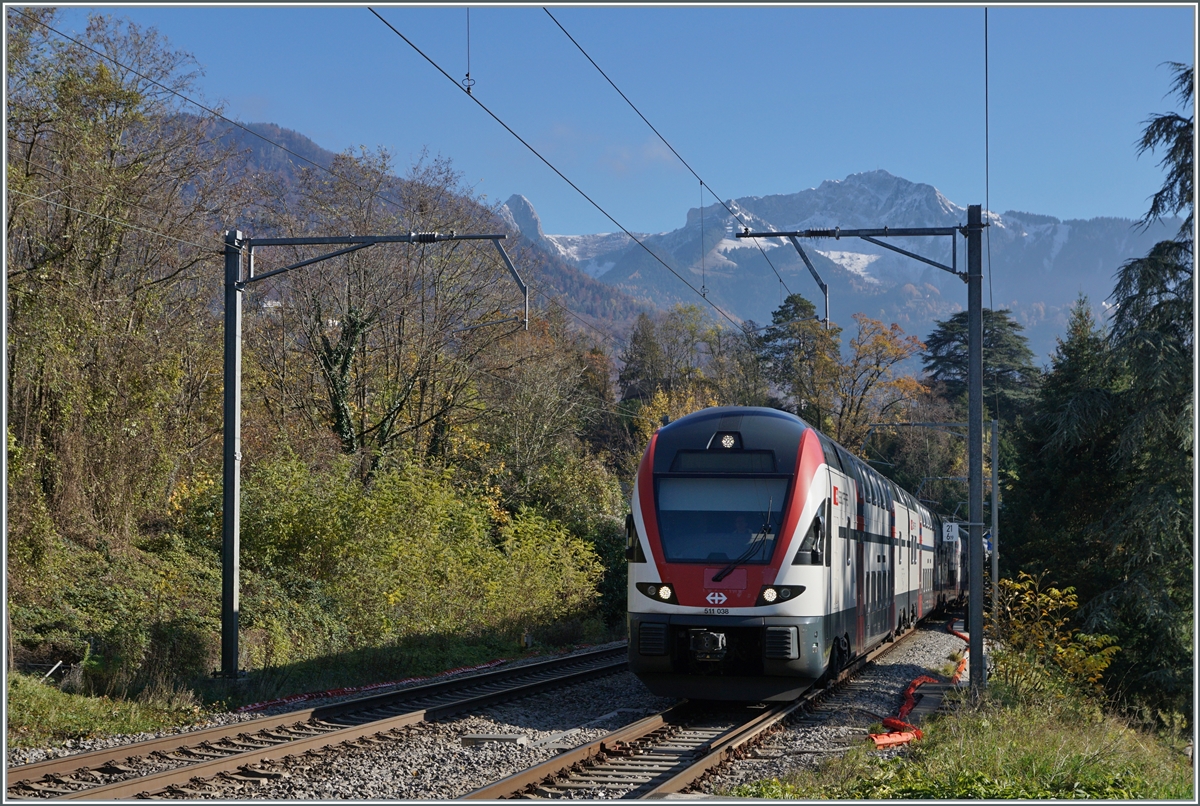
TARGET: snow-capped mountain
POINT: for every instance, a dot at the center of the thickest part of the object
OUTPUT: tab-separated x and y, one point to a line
580	251
1038	265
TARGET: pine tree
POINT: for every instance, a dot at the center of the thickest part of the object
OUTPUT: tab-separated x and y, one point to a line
1009	376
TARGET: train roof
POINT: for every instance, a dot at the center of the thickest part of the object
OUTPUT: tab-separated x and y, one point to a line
757	428
752	429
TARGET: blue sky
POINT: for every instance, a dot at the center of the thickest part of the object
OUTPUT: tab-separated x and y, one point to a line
759	100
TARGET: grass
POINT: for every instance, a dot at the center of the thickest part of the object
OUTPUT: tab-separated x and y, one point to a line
41	715
415	656
998	749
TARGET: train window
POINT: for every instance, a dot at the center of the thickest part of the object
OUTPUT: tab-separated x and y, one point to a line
831	456
811	546
633	546
848	464
720	519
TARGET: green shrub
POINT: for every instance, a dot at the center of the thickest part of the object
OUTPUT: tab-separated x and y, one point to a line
406	554
39	714
1039	649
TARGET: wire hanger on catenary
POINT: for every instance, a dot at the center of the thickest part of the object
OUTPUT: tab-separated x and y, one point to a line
468	82
703	285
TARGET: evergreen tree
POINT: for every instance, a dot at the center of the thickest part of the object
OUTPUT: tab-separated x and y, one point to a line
1104	496
1174	131
801	357
1060	490
1009	376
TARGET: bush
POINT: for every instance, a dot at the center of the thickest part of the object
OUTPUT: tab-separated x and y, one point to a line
405	554
1038	643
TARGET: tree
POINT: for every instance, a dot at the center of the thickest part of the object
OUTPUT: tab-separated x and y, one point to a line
866	387
1173	131
734	371
642	360
379	329
1008	371
1104	495
115	199
801	356
1062	486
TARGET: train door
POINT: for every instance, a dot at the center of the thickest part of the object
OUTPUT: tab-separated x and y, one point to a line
860	591
889	584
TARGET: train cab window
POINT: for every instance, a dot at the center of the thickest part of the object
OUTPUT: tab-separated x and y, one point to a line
633	546
812	546
831	456
706	519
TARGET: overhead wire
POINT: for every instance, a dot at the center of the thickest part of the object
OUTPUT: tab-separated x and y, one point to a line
551	166
269	141
76	183
667	144
208	109
113	220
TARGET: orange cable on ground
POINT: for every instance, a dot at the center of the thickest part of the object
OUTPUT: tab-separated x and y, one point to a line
900	732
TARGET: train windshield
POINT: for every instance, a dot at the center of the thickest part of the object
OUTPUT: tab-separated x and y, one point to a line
720	519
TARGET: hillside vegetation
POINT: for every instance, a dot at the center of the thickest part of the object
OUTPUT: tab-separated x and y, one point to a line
418	495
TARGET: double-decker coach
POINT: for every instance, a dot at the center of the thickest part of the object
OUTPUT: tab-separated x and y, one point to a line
763	557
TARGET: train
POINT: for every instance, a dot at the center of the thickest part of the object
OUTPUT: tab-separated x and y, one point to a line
763	557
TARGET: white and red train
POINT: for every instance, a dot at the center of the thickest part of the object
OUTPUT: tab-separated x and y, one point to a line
763	557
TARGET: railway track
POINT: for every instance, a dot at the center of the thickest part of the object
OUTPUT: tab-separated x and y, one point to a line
670	751
253	751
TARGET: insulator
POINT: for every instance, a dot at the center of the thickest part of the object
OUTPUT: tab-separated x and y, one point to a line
425	237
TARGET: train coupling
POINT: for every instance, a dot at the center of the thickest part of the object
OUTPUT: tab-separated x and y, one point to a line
706	645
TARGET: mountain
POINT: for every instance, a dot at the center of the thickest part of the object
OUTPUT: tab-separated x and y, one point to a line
546	268
268	158
580	251
1038	264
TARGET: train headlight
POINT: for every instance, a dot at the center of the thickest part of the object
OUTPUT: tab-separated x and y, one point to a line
775	594
658	591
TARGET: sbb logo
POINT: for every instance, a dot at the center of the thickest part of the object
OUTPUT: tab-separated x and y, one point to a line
716	597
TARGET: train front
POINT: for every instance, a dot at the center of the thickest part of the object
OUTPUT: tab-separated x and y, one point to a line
725	601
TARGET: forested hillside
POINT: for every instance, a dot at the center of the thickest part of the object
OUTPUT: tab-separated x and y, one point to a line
413	490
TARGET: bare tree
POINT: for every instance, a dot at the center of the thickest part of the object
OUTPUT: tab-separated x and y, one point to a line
388	366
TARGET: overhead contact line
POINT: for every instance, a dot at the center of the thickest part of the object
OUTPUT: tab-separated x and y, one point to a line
207	109
549	165
667	144
265	139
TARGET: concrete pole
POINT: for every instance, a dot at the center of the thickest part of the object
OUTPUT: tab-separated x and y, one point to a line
995	521
975	440
231	491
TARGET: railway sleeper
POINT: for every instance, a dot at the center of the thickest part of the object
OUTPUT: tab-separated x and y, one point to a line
43	789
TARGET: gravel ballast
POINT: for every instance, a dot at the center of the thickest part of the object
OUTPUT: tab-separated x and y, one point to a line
878	692
448	759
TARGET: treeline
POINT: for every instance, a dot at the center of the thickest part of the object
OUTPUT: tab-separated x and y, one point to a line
402	476
405	477
1102	486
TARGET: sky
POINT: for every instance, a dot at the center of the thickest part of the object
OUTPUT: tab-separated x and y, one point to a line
758	100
